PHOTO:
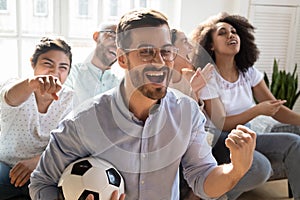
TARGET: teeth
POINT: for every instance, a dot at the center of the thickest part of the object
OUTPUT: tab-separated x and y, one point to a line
155	74
155	77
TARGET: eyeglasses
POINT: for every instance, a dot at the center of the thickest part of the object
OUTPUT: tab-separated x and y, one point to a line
109	34
147	54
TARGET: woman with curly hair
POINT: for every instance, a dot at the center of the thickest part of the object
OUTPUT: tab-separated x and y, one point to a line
229	97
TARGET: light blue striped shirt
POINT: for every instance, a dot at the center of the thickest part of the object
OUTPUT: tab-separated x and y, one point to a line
146	154
87	81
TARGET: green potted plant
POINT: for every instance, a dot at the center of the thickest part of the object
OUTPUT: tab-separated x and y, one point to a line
284	85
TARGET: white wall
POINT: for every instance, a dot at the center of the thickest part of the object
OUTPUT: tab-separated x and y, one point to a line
193	12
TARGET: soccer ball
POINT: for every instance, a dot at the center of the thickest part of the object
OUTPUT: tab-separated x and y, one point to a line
90	176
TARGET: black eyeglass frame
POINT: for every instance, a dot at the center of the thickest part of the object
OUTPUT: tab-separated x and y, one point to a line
109	34
108	31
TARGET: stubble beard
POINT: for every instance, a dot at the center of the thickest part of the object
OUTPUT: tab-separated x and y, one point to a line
138	81
101	54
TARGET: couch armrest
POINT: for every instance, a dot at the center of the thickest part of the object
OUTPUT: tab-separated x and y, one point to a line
266	124
263	124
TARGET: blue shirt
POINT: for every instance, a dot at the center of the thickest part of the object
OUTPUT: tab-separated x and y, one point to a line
87	80
146	154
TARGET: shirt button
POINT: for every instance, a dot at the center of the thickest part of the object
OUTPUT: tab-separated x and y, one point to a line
142	182
143	155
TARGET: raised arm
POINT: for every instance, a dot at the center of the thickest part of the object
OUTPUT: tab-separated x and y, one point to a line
44	84
241	142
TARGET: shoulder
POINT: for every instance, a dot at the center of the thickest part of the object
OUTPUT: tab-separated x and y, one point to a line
253	71
177	94
79	66
117	71
254	75
178	98
97	102
4	85
186	106
9	81
66	92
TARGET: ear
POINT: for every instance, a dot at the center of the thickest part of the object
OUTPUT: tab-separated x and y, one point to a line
32	64
96	36
122	58
212	47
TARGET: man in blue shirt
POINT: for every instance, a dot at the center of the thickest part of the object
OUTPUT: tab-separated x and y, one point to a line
96	75
144	129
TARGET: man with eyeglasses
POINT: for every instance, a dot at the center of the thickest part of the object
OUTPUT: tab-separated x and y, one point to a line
144	129
94	75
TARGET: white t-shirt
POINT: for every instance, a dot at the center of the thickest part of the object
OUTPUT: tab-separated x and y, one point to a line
236	97
24	131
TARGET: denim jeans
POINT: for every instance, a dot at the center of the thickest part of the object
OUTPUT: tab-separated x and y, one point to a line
7	190
270	148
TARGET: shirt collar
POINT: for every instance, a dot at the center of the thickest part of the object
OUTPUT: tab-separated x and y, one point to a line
120	102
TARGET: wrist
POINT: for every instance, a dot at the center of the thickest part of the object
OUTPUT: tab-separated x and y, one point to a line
255	110
232	172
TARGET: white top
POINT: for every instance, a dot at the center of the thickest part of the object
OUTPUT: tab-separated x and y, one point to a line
236	97
87	80
24	131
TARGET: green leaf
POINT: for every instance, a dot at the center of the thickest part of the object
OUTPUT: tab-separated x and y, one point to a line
284	85
275	72
266	79
295	69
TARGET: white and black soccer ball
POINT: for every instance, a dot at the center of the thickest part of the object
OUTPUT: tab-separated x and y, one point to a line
90	176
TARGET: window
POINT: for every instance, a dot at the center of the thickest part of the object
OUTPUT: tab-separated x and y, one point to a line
83	8
113	8
26	22
3	6
277	34
143	3
40	8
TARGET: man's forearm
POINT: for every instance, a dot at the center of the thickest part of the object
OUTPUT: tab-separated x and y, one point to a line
222	179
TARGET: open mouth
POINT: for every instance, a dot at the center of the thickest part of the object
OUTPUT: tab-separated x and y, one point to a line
188	58
232	42
156	76
113	53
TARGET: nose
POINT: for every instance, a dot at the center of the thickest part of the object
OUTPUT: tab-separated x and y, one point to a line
55	71
231	35
158	59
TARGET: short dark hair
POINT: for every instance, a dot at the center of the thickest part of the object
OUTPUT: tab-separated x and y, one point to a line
46	44
137	19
